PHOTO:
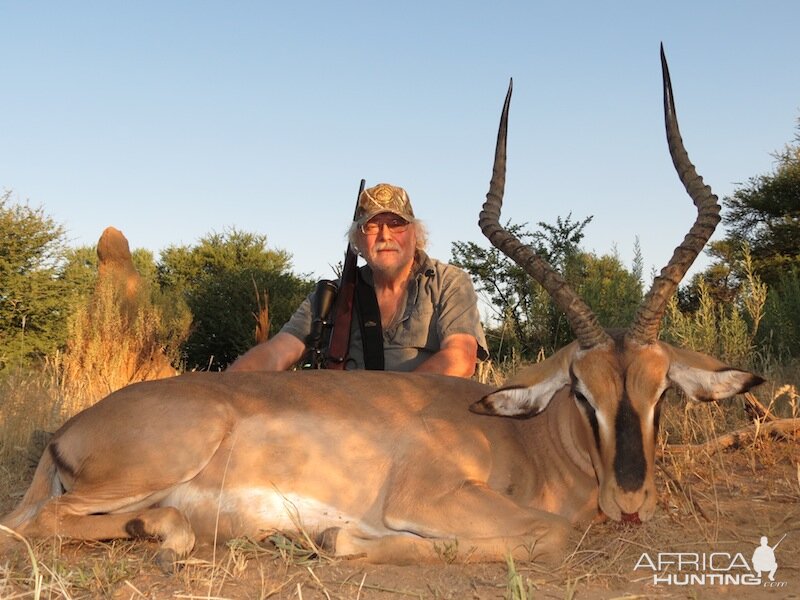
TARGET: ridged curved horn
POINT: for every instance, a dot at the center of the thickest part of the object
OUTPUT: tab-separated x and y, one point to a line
582	320
648	318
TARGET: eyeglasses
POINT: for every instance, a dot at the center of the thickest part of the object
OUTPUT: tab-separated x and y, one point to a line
394	225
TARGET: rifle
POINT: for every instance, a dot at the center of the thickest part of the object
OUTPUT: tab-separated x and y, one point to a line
324	294
343	308
779	541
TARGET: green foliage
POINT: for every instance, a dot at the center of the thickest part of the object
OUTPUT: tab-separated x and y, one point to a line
44	284
80	270
33	302
713	328
218	279
718	281
612	292
764	213
559	243
725	329
145	265
526	318
763	240
511	292
517	588
780	333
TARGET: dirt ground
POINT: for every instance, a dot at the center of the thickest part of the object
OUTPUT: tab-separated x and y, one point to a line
721	503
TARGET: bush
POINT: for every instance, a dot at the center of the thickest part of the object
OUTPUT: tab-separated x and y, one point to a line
781	329
221	279
726	330
34	298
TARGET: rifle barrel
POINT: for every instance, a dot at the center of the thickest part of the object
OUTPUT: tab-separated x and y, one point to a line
779	541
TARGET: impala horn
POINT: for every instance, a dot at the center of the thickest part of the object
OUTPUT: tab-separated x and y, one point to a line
647	322
582	320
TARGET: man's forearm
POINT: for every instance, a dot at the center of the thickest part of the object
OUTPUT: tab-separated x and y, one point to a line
276	354
457	357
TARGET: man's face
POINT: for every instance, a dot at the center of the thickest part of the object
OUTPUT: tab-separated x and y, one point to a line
387	244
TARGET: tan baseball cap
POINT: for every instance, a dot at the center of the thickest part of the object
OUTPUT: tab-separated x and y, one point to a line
384	198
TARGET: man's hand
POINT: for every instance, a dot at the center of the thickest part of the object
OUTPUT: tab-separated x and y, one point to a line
276	354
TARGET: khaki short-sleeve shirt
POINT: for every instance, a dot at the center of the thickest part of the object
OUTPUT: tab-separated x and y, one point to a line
440	301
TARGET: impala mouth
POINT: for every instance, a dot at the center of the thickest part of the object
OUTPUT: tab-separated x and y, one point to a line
632	518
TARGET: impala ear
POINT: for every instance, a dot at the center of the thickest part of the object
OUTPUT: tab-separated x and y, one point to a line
530	391
520	402
703	378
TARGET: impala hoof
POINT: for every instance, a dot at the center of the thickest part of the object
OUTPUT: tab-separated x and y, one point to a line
166	560
327	540
342	543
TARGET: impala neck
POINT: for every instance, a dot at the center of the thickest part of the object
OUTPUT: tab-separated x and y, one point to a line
560	446
575	441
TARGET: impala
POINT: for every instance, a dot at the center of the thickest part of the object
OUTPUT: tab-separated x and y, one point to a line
390	467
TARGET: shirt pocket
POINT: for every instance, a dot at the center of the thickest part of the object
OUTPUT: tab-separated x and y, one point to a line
417	330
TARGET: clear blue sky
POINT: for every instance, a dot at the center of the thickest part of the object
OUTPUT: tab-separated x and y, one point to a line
172	120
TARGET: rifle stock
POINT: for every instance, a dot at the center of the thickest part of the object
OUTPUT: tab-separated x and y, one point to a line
343	308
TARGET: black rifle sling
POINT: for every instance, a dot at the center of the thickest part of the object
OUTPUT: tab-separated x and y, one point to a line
369	319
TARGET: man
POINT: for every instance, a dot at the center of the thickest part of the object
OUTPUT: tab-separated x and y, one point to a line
764	558
428	309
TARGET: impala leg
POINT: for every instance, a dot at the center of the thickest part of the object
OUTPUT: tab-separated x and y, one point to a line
469	523
58	517
408	549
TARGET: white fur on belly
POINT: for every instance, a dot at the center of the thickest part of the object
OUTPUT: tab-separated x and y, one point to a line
256	510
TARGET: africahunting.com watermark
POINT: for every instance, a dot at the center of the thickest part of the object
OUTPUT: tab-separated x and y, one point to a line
714	568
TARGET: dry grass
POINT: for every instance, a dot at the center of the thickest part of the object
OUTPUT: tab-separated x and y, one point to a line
708	501
27	403
114	341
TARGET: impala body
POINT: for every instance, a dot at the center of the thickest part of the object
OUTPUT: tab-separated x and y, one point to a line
387	473
391	467
247	454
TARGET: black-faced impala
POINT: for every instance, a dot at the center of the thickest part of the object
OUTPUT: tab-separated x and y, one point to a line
391	467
